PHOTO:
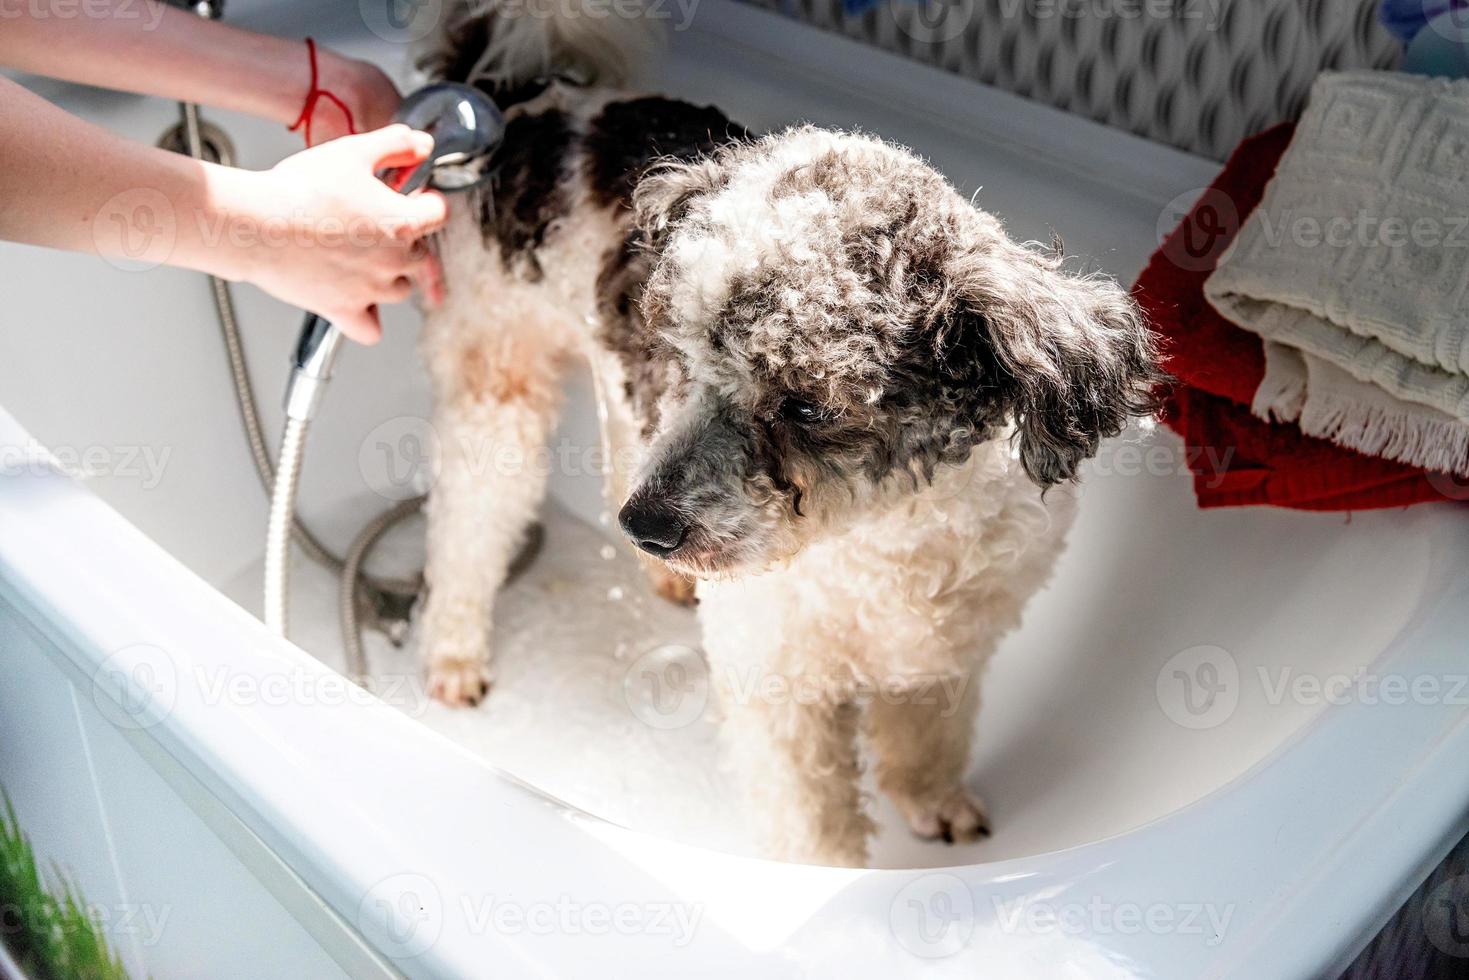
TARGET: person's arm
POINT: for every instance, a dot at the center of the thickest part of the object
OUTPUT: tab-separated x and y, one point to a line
318	230
154	49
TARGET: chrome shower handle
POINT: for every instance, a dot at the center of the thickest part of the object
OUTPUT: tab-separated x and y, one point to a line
316	353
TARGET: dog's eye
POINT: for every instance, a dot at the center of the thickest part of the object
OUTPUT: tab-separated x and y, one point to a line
800	411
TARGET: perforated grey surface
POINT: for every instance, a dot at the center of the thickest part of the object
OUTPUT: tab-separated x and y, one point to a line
1198	74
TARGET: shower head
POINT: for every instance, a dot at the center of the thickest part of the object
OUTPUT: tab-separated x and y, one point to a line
467	128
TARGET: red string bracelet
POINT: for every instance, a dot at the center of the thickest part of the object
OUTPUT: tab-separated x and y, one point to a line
315	94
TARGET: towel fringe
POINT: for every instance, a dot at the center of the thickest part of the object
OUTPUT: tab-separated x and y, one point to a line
1281	396
1439	445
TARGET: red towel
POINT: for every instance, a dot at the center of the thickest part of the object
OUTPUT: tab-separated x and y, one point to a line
1236	458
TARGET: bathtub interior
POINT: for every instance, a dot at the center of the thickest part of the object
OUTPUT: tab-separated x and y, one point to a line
598	684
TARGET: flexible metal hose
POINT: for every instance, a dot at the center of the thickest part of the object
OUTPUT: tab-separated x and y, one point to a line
278	525
347	595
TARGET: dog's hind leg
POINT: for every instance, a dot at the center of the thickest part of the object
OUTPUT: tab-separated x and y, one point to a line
920	737
496	394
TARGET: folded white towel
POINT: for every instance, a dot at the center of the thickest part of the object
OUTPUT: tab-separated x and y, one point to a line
1355	270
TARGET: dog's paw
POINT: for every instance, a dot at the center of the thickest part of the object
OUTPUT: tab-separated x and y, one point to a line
958	819
677	589
459	682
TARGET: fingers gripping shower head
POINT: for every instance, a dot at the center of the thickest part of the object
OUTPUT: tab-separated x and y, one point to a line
467	128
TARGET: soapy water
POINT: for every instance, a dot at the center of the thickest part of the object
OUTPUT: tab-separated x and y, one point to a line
600	693
575	705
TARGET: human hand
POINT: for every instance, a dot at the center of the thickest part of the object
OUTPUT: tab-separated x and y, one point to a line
322	232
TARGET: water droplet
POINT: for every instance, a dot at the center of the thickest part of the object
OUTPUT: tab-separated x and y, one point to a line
605	518
608	552
615	593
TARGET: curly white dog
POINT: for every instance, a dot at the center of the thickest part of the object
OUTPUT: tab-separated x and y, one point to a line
846	386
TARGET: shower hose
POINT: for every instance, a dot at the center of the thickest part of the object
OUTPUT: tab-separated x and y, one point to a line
387	600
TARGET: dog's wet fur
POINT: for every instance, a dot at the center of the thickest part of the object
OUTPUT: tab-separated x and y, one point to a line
844	387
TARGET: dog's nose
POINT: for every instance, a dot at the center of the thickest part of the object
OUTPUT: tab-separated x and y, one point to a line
653	526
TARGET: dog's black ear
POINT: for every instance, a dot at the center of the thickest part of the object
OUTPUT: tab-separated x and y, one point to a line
1074	359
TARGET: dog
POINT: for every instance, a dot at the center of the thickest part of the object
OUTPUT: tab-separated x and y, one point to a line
854	402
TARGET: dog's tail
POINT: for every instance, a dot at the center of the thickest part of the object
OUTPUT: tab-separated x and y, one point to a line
508	45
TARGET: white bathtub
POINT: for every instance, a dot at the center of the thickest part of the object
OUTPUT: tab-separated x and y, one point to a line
233	810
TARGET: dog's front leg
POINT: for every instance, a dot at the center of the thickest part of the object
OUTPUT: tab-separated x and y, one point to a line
495	407
920	736
797	759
